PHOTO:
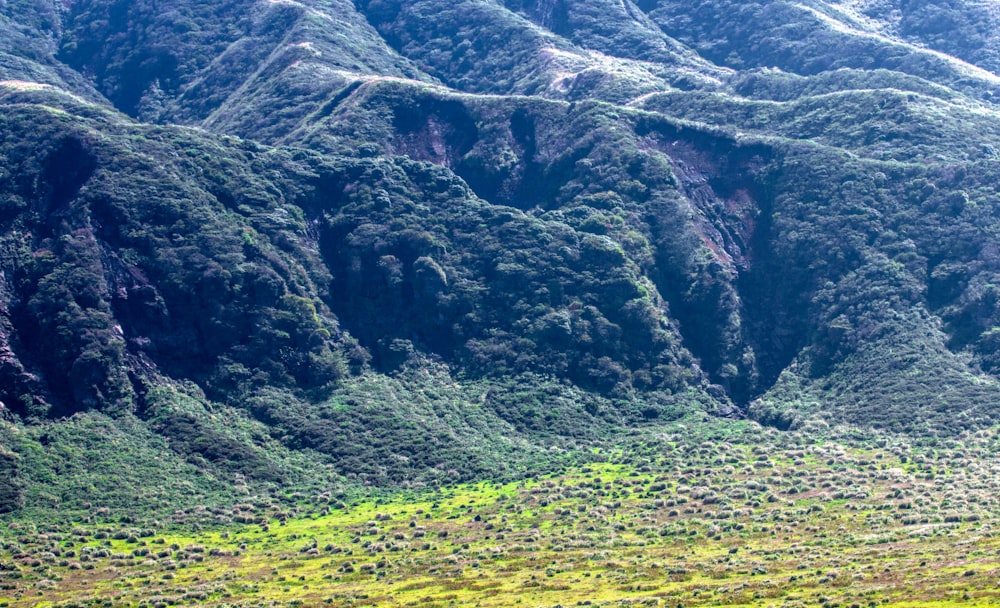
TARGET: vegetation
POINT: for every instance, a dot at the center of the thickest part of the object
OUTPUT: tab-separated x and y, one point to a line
728	514
420	294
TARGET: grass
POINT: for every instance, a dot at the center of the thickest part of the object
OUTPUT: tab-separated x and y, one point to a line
720	514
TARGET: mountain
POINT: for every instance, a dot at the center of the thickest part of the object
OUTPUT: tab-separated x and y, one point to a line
329	244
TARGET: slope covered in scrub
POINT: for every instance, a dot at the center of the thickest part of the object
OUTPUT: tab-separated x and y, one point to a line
413	243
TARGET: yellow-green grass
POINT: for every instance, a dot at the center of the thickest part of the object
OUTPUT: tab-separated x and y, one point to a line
765	520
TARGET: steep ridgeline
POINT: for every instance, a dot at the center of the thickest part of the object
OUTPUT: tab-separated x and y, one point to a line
428	240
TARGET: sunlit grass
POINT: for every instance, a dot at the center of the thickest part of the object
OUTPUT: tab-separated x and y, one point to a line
756	519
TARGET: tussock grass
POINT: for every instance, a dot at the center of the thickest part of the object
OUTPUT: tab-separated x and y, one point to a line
718	514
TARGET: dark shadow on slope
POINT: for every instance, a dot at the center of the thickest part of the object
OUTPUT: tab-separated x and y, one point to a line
528	183
336	100
65	170
714	261
774	323
434	130
519	185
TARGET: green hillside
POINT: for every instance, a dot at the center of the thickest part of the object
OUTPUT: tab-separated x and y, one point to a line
259	252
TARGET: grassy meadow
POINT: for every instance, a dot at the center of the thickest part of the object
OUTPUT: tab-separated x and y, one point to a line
728	514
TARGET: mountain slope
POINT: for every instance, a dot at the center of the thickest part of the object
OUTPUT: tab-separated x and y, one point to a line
416	242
